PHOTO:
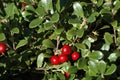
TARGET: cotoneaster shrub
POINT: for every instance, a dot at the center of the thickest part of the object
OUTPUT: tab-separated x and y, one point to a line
33	31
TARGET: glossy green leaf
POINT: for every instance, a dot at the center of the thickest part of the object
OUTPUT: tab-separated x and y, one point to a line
11	10
79	33
40	11
99	3
48	26
93	70
92	17
47	4
60	76
22	43
78	10
70	33
102	66
111	69
15	30
48	43
72	70
55	17
112	57
72	76
96	55
36	22
108	38
2	37
117	5
82	64
40	60
105	47
58	5
87	42
30	8
114	24
59	30
80	46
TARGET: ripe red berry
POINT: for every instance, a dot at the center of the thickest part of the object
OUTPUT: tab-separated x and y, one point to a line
67	75
23	4
63	58
2	48
75	56
54	60
66	49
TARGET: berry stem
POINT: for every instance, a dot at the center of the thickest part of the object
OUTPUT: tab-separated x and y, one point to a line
58	42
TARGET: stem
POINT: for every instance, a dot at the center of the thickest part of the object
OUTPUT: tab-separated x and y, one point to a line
58	42
114	30
83	23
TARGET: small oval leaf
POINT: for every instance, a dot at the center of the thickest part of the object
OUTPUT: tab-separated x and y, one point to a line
21	43
40	60
2	37
111	69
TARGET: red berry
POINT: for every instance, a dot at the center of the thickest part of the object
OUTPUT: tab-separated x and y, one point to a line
75	56
67	74
54	60
23	4
66	49
2	48
63	58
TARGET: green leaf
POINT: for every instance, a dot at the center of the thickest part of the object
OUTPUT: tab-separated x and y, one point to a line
47	4
108	38
72	77
82	64
105	47
93	70
48	26
102	66
117	5
72	70
11	10
78	9
36	22
80	46
112	57
40	60
2	37
96	55
114	24
21	43
55	17
79	33
48	43
30	8
92	17
58	5
40	11
15	30
99	3
61	76
111	69
70	33
59	30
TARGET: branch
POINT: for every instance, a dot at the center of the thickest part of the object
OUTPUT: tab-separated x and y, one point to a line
83	23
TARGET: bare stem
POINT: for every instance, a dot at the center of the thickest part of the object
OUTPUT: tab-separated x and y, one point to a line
114	30
58	42
83	23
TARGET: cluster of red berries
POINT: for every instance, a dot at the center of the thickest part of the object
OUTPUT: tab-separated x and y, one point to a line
63	57
2	48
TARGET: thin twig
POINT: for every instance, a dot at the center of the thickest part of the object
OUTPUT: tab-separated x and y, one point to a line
57	45
83	23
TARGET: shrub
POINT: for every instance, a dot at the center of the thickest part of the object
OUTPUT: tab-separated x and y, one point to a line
35	30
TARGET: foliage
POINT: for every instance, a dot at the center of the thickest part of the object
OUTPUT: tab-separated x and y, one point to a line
38	30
